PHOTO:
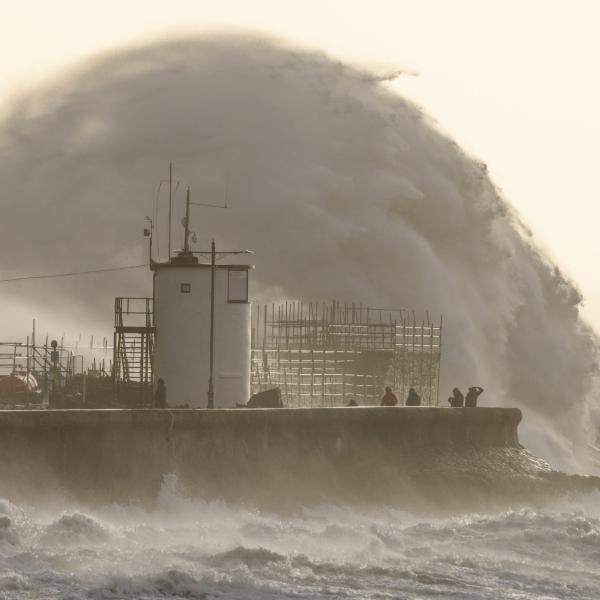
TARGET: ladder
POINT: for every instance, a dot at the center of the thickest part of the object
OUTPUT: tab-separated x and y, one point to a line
133	351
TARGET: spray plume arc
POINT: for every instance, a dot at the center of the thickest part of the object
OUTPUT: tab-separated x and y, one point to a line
343	188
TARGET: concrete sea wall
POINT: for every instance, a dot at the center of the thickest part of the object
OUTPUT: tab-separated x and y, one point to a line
253	455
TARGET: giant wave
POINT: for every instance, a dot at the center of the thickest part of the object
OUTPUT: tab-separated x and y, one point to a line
343	189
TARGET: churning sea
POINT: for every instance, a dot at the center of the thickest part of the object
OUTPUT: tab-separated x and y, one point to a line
187	548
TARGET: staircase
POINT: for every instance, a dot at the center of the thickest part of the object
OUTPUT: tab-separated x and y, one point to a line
133	351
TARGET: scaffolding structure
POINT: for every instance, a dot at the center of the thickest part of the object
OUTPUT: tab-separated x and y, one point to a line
133	349
330	354
28	371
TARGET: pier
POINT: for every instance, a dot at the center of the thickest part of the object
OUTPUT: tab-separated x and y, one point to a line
256	454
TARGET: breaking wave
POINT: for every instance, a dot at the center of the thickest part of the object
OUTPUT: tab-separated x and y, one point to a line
343	189
75	528
195	549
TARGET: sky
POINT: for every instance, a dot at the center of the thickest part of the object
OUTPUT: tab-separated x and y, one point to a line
515	83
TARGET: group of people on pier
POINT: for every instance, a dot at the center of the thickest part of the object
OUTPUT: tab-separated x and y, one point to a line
457	400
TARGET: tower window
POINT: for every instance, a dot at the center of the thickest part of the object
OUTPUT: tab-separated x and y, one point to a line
186	288
237	285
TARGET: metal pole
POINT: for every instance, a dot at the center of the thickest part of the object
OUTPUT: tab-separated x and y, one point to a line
437	391
186	246
211	393
28	371
170	201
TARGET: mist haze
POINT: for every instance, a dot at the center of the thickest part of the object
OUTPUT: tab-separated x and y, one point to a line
342	188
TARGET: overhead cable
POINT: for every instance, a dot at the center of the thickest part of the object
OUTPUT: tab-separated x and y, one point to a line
72	274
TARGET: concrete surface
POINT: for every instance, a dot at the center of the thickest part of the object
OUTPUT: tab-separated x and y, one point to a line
244	454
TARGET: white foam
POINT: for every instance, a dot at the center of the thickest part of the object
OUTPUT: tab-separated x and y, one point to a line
224	552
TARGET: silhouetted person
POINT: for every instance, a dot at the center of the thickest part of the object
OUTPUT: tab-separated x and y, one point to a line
457	399
389	399
160	396
352	402
472	395
413	398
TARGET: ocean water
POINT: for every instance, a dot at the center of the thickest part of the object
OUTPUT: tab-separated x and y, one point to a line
187	548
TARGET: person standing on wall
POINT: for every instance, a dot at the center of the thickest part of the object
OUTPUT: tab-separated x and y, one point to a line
472	395
413	398
160	396
457	399
389	398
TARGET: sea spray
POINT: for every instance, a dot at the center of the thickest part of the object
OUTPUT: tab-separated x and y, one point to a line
341	187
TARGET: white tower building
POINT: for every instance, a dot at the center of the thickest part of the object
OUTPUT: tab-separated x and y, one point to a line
182	318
